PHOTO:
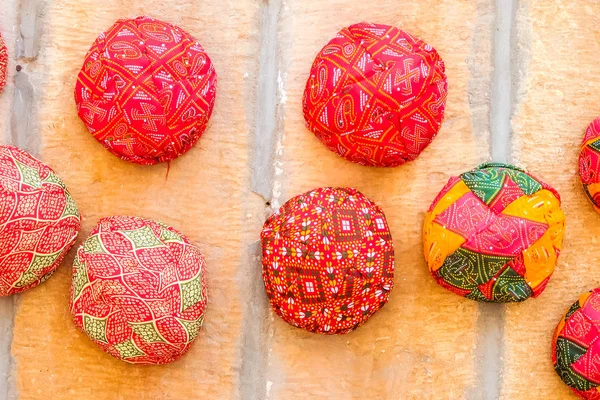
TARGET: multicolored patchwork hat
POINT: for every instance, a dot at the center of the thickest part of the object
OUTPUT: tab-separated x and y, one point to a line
39	221
494	234
328	260
376	95
139	290
589	163
3	63
576	346
146	90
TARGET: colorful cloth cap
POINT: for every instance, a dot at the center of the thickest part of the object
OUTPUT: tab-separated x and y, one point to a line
376	95
146	90
3	63
494	234
589	163
328	260
576	346
139	290
39	221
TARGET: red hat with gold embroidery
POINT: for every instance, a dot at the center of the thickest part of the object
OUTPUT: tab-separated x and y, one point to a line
139	290
39	221
328	260
146	90
3	63
376	95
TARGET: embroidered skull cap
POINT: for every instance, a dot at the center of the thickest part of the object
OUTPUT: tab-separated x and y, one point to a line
589	163
139	290
3	63
39	221
376	95
494	234
576	346
146	90
328	260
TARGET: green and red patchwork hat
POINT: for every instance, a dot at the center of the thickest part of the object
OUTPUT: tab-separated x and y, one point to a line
328	260
576	346
589	163
494	234
139	290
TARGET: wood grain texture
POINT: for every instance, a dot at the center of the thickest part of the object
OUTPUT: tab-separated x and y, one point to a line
556	97
205	194
420	345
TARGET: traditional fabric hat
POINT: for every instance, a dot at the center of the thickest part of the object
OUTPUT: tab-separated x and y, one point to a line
39	221
576	346
376	95
146	90
494	234
589	163
139	290
3	63
328	260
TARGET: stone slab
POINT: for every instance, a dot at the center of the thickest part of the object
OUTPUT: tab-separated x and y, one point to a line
421	344
556	67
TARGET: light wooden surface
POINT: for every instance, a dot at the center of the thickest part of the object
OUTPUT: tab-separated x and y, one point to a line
426	343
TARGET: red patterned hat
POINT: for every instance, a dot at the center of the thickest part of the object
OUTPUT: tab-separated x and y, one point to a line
39	221
494	234
328	260
146	90
376	95
3	63
576	346
589	163
139	290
